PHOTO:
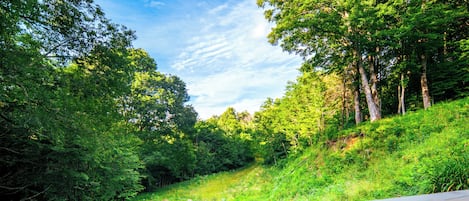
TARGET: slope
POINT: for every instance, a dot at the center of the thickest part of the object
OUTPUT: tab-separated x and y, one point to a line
421	152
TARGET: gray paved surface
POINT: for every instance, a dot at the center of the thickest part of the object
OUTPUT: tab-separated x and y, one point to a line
449	196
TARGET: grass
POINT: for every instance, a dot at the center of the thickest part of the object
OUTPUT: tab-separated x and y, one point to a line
220	186
421	152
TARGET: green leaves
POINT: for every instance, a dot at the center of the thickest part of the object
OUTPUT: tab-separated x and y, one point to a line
300	118
222	144
381	40
156	108
62	137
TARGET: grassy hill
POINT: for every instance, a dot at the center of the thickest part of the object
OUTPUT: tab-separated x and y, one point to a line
421	152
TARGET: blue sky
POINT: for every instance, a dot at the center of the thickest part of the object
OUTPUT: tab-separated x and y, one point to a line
219	49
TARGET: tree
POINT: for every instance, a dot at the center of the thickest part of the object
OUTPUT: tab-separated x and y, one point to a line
156	107
308	112
324	32
62	67
229	122
380	41
236	151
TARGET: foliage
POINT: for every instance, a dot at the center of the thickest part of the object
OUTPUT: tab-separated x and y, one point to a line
220	144
415	46
450	174
219	186
86	117
62	67
428	154
83	116
300	119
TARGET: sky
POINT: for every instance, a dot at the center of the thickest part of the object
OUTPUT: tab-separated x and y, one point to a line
218	48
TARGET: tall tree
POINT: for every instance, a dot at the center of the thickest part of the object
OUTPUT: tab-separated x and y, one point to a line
424	28
62	66
157	107
308	112
323	32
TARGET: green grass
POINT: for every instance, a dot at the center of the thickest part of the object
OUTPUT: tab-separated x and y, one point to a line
220	186
421	152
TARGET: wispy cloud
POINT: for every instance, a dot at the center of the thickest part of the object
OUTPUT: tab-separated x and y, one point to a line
202	52
219	48
218	9
154	4
243	89
235	64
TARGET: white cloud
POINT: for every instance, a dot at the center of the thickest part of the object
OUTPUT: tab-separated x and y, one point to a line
218	9
243	89
155	4
250	105
219	50
229	62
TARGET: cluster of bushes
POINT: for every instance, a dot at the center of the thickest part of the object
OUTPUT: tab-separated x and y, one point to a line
217	150
422	152
84	116
210	146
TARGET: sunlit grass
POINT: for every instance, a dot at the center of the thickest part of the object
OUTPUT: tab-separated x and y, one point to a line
399	156
220	186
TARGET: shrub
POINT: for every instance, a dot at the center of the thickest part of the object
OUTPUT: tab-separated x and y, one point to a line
450	174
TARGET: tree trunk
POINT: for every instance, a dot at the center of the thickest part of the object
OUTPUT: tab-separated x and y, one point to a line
356	101
374	82
399	105
345	114
372	107
344	102
403	99
400	95
356	94
424	83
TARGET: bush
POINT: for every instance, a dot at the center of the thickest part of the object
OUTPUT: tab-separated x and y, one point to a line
450	174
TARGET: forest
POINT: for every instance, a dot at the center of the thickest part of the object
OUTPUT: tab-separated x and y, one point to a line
84	115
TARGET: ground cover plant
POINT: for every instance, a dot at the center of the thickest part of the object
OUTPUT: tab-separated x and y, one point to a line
423	152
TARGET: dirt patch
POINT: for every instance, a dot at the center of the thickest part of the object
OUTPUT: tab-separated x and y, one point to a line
350	142
344	143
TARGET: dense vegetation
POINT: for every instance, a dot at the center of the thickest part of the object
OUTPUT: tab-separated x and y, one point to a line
361	57
85	116
421	152
418	48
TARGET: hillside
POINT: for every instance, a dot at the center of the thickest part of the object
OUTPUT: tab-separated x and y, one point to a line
87	113
422	152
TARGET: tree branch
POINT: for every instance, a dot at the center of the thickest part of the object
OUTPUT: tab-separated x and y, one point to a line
37	194
6	118
10	150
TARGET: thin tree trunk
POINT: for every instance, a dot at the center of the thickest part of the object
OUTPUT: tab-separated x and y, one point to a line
424	83
445	48
374	80
403	98
342	119
356	94
399	105
345	97
372	107
356	101
284	149
400	94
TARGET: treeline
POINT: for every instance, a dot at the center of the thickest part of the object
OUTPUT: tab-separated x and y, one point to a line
84	116
362	60
392	55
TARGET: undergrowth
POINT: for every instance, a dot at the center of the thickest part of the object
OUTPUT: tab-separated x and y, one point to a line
421	152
